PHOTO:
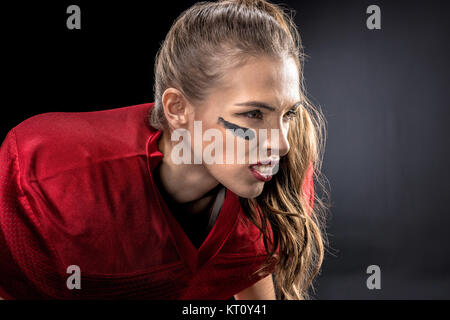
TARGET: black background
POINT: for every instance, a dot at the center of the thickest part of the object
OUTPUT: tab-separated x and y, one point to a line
384	93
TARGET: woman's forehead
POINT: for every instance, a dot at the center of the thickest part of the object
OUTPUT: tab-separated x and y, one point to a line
265	71
269	80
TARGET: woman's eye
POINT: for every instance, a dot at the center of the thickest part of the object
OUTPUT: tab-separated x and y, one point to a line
255	114
290	115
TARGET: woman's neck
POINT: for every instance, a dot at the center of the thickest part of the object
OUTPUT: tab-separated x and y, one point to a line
183	183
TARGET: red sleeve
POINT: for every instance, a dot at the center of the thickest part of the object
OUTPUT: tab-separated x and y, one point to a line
308	185
18	257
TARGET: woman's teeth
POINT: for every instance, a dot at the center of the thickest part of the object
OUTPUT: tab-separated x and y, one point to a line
265	170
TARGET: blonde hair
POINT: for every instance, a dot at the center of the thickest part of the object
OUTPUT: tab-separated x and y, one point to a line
206	41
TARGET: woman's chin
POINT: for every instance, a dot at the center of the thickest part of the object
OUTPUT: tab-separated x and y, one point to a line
247	191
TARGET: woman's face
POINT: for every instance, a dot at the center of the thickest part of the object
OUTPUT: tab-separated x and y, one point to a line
253	110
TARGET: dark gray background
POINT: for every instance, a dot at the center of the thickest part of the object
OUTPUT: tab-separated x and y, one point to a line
384	93
386	98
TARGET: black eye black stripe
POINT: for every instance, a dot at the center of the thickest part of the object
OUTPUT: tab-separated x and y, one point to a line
242	132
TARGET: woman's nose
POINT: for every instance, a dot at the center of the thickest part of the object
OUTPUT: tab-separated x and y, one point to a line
276	142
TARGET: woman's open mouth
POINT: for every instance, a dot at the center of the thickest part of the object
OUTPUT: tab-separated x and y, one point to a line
263	172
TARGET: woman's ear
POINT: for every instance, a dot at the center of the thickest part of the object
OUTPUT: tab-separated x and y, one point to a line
175	108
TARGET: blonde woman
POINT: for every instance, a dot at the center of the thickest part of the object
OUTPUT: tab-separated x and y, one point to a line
102	205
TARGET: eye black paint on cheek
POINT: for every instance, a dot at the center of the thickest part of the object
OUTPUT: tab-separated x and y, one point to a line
242	132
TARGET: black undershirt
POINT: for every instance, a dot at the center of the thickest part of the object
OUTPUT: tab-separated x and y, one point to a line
194	225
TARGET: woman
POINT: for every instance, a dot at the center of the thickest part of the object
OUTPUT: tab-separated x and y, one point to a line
126	203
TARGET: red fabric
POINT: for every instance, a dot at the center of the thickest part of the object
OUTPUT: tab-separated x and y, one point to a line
308	186
77	189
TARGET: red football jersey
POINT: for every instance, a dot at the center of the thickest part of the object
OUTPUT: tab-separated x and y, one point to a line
76	189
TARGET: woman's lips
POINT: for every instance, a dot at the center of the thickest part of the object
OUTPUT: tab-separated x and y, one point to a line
259	176
262	172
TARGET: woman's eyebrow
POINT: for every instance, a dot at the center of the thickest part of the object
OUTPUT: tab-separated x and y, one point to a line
264	105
